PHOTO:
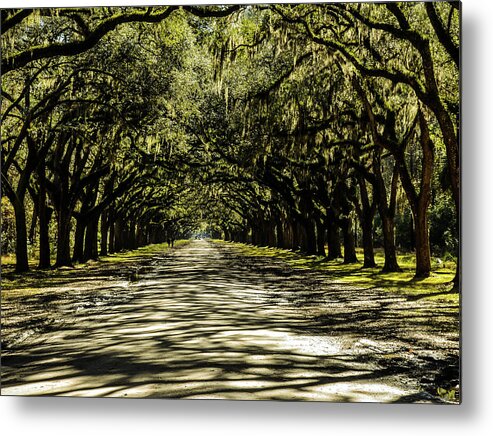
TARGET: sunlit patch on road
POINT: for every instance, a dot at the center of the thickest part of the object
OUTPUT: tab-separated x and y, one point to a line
192	326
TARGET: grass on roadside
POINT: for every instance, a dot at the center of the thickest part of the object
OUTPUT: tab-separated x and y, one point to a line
35	280
436	286
148	250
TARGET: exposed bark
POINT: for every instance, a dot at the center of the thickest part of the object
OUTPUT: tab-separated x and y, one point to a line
320	238
44	220
104	234
391	264
91	240
17	200
80	231
118	229
111	243
334	240
348	237
63	238
367	237
423	255
34	222
280	239
366	214
21	253
308	236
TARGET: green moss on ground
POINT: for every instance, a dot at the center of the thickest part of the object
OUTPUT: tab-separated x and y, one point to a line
435	287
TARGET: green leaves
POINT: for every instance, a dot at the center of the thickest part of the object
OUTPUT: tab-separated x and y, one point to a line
228	113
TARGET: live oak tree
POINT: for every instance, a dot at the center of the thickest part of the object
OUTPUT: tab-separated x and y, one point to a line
318	128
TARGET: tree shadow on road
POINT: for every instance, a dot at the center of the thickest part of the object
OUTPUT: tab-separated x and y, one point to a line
219	328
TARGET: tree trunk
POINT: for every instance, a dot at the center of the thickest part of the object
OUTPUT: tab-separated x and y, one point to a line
387	213
44	222
366	215
91	240
271	235
456	281
391	264
125	236
333	240
320	238
412	236
309	234
111	244
63	239
80	231
132	241
368	252
21	256
119	235
288	235
34	221
264	233
423	255
303	238
280	243
254	235
295	235
349	248
139	234
104	233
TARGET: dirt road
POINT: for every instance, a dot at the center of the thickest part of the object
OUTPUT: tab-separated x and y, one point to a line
208	322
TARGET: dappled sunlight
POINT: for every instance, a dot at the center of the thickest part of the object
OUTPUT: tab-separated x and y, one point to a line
307	345
354	273
197	325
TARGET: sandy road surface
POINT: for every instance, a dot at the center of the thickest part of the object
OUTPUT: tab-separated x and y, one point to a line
207	322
